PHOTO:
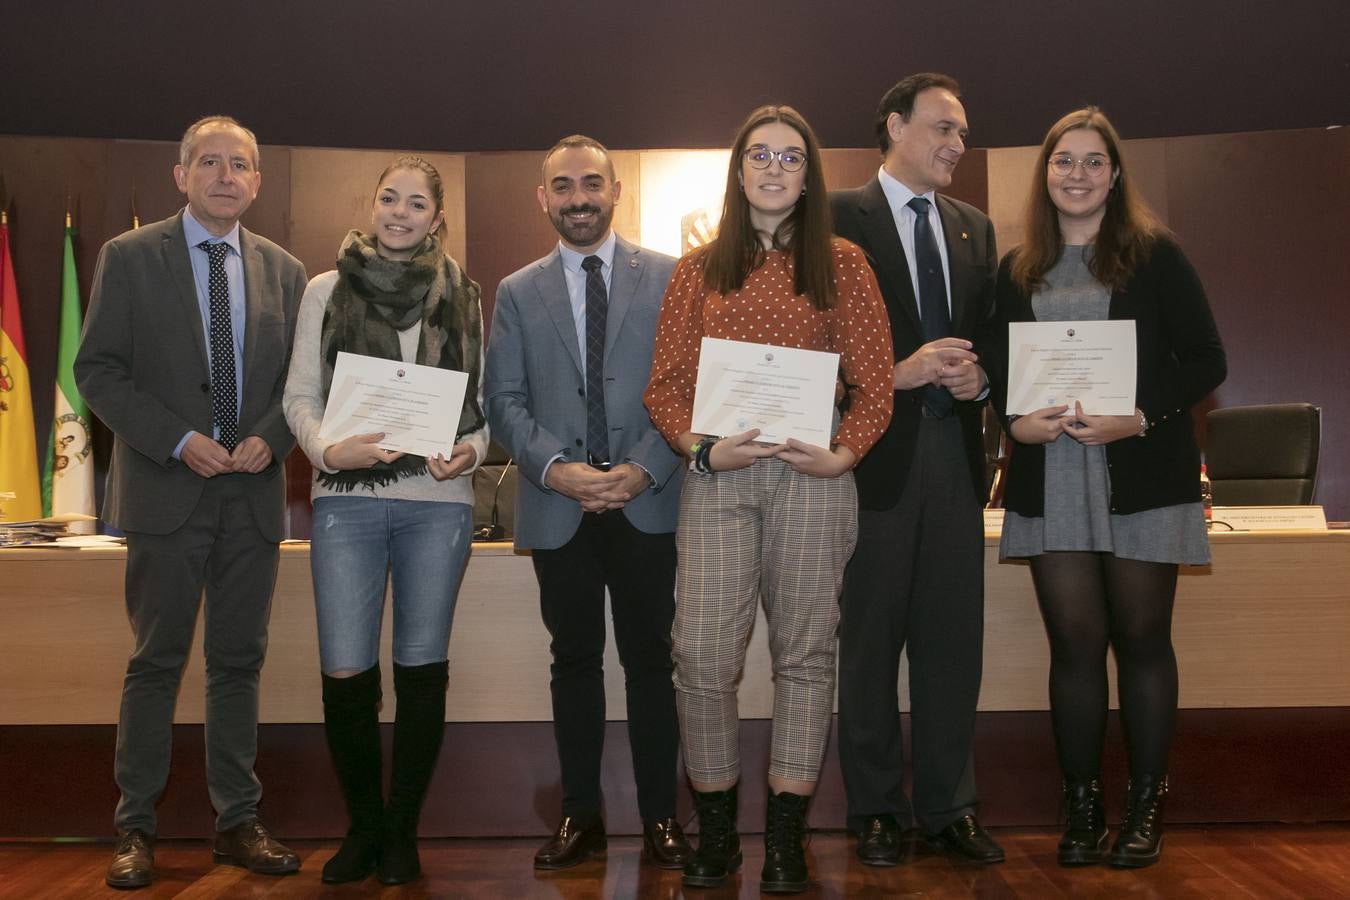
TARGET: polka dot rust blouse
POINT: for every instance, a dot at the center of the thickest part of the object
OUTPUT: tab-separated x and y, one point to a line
766	311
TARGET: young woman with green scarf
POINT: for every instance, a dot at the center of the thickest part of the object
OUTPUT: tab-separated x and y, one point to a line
395	294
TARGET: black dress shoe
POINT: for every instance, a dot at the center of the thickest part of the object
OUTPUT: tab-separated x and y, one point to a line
572	843
664	844
251	846
965	837
133	860
879	841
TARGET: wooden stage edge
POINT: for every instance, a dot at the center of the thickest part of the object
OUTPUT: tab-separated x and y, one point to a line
500	779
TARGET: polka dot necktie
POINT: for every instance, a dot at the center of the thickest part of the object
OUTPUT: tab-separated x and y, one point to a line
597	307
937	321
224	393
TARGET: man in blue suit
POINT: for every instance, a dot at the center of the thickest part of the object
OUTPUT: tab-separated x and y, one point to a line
567	363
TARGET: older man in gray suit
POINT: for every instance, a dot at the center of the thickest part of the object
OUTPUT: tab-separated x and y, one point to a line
567	362
184	356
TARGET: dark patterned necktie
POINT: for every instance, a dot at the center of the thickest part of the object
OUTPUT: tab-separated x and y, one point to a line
937	320
224	393
597	308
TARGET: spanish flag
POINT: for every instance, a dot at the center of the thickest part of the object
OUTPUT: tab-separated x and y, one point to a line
20	499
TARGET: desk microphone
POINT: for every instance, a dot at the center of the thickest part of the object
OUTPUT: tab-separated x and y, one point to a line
494	531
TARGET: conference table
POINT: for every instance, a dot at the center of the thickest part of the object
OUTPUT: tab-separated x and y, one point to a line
1266	625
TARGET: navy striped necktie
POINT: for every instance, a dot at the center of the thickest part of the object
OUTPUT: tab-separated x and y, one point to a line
937	320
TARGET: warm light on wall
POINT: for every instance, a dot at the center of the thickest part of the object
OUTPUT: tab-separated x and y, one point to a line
680	192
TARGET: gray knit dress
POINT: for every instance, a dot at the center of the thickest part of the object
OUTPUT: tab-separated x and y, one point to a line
1077	482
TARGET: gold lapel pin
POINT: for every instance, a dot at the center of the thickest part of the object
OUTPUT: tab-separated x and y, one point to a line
964	236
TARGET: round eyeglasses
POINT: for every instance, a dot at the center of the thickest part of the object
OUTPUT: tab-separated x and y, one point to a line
1093	166
762	157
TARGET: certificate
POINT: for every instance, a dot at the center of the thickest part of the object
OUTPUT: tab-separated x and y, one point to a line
782	391
1058	363
417	407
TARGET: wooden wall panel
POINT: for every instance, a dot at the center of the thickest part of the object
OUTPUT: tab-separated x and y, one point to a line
506	227
331	192
1263	218
1261	215
1010	177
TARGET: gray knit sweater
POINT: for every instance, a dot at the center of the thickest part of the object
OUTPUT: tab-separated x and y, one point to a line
304	404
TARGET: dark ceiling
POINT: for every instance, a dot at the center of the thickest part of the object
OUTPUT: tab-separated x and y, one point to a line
439	75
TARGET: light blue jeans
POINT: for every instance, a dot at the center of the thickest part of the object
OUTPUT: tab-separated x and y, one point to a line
357	542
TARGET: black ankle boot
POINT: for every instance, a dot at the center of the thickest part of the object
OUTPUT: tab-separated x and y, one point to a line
1084	840
352	726
1139	843
719	846
419	726
784	830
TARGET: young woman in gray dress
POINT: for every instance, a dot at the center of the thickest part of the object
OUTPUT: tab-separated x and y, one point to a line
1107	507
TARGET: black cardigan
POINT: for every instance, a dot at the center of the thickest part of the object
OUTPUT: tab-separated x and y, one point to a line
1180	360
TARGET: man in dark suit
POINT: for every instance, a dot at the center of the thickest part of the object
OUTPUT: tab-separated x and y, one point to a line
184	357
567	364
916	580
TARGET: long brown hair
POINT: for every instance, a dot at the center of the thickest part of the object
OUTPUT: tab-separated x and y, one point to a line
434	183
1128	227
736	250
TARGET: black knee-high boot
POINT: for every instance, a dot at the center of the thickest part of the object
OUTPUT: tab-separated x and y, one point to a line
352	726
419	726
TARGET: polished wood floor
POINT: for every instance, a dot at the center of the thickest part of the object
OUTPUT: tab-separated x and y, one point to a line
1299	862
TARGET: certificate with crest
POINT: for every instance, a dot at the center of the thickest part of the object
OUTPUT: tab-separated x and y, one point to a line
417	407
1060	363
783	391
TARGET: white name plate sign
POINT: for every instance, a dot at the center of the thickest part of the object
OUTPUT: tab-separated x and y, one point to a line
993	520
1272	518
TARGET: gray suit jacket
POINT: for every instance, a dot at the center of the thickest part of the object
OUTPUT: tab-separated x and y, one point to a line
536	394
143	369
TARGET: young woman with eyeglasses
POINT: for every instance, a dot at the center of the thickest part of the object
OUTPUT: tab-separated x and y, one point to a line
1107	507
396	294
771	520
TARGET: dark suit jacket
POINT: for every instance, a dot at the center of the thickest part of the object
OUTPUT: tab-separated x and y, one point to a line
143	369
1180	359
536	395
862	216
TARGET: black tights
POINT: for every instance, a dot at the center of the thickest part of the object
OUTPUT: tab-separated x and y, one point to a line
1087	601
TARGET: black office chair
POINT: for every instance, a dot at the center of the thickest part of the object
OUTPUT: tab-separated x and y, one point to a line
1263	455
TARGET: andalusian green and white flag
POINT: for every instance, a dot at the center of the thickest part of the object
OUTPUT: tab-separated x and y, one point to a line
68	479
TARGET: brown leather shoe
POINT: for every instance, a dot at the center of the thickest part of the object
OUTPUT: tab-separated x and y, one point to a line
572	843
251	846
664	844
133	860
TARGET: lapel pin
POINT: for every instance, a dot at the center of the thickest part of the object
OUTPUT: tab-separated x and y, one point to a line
632	263
964	236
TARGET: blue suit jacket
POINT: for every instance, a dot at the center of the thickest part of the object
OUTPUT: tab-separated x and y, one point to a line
536	393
